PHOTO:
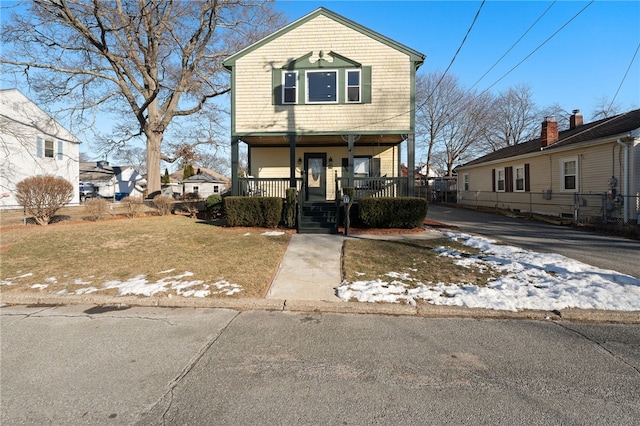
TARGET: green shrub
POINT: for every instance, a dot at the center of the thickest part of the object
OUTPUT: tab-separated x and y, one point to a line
290	208
214	203
253	211
407	212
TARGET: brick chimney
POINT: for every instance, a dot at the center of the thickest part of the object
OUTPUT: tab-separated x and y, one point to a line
575	120
549	131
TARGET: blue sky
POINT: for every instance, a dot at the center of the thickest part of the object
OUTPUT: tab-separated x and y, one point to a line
583	63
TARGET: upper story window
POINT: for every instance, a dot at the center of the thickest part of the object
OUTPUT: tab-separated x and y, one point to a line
569	174
48	148
290	87
465	181
353	86
322	86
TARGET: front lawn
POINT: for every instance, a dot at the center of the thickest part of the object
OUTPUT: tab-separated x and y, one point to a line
159	255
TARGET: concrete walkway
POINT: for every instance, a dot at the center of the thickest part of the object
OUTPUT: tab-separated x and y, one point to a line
311	268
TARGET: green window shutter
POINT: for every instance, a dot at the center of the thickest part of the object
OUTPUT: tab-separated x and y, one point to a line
39	148
276	79
366	84
374	167
59	150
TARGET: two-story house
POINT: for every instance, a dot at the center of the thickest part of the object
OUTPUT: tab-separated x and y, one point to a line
33	144
321	104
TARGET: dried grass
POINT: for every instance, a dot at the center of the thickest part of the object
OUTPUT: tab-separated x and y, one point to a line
120	249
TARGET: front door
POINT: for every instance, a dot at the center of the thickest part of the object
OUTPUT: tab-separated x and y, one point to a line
315	165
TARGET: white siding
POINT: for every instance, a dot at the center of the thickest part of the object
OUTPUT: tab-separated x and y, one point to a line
21	126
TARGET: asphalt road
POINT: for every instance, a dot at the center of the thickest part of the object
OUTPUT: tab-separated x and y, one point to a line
601	250
149	366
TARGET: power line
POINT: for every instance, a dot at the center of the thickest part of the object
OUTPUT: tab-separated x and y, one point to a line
475	18
513	45
540	45
625	75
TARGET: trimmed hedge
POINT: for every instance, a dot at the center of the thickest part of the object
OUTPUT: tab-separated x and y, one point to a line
253	211
407	212
290	208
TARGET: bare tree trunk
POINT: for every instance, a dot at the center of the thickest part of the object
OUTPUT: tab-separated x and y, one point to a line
154	142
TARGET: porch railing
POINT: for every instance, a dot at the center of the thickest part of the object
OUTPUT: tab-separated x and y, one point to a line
266	187
377	186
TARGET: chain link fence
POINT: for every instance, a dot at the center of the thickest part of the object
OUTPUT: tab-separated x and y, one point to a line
600	210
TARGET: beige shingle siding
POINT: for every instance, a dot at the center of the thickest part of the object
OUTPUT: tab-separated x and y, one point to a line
391	91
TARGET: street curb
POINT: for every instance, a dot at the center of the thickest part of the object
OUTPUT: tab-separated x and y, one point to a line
423	310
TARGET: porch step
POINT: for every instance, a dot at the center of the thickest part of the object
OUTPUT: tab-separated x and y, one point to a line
318	218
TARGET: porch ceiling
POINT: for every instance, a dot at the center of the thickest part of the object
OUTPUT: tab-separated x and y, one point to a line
321	140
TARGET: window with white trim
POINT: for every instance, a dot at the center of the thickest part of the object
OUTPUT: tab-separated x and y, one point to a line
354	86
290	87
48	148
518	179
465	181
322	86
569	174
500	180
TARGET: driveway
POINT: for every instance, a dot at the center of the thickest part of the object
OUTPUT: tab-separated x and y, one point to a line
601	250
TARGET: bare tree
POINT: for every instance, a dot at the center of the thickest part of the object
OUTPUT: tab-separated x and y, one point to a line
462	138
605	109
149	61
440	100
134	156
515	118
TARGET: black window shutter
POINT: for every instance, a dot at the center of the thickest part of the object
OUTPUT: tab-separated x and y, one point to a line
493	180
527	185
508	177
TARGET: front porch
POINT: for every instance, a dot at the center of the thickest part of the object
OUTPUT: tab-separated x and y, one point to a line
363	186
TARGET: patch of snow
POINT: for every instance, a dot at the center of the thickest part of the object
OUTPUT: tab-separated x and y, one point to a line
40	286
273	233
87	290
531	280
51	280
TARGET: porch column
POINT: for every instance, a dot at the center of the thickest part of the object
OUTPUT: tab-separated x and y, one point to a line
350	142
411	164
235	155
292	160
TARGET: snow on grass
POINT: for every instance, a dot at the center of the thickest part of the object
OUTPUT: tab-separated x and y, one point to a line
530	280
273	233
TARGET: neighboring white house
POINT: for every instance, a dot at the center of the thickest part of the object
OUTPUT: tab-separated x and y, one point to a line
204	184
112	181
33	144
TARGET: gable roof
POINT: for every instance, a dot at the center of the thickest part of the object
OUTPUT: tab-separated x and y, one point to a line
617	126
414	55
23	111
177	175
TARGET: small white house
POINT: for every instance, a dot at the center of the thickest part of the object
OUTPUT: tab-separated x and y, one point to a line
112	181
33	144
202	185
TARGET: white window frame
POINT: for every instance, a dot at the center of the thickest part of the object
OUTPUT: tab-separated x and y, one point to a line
563	176
500	172
284	87
520	169
465	181
347	86
307	86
